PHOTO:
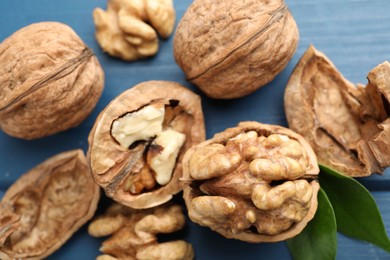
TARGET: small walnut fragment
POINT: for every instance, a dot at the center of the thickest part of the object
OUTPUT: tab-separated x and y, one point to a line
50	80
43	208
138	141
253	182
128	29
348	126
231	48
134	233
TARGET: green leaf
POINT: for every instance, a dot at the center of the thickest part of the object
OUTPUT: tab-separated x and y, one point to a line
357	214
319	238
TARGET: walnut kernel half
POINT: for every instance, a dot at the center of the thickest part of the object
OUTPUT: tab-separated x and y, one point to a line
134	233
128	29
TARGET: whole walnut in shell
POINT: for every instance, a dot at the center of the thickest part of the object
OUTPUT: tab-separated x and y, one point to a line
45	206
231	48
348	126
134	233
138	141
50	80
253	182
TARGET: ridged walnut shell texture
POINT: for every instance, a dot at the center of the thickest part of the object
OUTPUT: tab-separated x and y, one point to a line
254	182
45	206
112	164
348	126
50	80
230	48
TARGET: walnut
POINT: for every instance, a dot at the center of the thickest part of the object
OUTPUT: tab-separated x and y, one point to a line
348	126
134	233
253	182
43	208
50	80
138	141
231	48
127	29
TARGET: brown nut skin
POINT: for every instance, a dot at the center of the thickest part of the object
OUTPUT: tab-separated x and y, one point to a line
113	164
50	80
133	233
230	48
348	126
234	195
45	206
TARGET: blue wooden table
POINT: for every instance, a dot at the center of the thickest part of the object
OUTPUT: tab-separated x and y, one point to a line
354	34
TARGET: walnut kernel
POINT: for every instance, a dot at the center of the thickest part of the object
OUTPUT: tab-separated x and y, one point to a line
127	29
134	233
254	182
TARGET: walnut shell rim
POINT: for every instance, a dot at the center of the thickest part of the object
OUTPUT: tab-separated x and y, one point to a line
189	193
110	163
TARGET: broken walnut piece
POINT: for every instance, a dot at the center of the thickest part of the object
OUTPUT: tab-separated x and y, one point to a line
128	29
348	126
133	233
253	182
138	141
45	206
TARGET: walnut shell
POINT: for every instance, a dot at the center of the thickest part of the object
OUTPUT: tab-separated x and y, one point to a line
45	206
50	80
124	172
230	48
253	182
348	126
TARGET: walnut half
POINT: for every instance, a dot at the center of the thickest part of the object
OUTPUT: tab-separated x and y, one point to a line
134	233
128	29
45	206
138	141
348	126
254	182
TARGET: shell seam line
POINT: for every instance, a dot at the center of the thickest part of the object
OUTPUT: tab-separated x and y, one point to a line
61	72
276	15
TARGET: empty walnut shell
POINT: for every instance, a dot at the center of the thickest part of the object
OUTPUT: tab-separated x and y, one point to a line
125	154
348	126
50	80
231	48
45	206
253	182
